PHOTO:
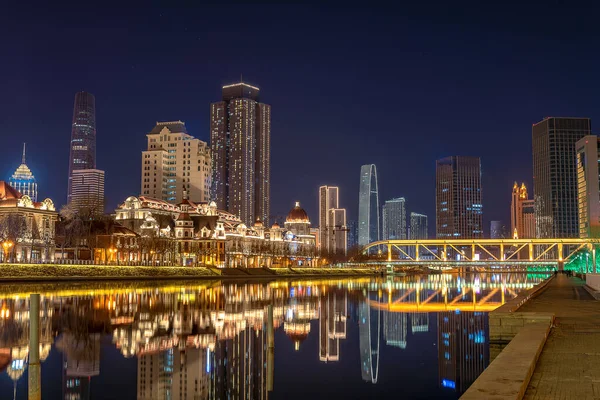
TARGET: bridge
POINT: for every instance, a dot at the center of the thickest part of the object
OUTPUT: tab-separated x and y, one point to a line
484	251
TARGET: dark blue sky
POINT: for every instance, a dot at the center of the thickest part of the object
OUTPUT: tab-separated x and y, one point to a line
397	86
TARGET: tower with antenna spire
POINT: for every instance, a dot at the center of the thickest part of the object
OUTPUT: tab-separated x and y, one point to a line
23	179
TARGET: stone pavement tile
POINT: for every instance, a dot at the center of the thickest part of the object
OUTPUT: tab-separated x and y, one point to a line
569	366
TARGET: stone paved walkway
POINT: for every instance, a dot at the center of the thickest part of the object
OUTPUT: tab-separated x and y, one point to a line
569	366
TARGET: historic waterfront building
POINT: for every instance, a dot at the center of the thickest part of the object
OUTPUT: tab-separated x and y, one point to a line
555	175
394	219
368	206
588	188
333	232
175	161
522	214
191	233
23	180
240	139
26	227
459	209
82	153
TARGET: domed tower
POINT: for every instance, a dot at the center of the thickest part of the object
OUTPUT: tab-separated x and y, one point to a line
297	221
23	180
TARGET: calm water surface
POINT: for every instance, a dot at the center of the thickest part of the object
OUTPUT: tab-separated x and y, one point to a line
402	337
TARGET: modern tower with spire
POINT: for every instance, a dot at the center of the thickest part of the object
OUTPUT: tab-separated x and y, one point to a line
23	180
240	140
368	206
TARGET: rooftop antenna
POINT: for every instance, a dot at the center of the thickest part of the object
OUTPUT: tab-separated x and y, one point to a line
241	78
23	160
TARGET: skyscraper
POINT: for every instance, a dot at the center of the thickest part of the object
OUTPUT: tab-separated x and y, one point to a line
88	190
498	230
522	216
555	175
240	138
23	180
333	232
368	206
83	136
418	226
394	219
459	208
588	188
175	161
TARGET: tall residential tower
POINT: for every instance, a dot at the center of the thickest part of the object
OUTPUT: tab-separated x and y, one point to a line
368	206
333	232
240	139
459	210
555	175
175	161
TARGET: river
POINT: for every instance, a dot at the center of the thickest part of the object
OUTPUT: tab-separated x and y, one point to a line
395	337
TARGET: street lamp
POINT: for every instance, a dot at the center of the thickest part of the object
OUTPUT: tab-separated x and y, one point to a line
6	245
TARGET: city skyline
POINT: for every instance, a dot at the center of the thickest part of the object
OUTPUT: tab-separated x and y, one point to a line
456	121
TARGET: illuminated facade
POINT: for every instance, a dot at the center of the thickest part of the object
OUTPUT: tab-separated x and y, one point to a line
588	187
192	233
418	226
368	206
394	219
87	190
240	135
83	136
333	232
27	228
522	214
459	210
498	230
555	175
173	162
23	180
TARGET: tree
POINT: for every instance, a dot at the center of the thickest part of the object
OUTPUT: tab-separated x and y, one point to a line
13	228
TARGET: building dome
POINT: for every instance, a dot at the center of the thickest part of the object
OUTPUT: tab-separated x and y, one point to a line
297	215
258	223
275	226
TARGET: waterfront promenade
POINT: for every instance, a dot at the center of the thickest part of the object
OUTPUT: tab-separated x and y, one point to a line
569	365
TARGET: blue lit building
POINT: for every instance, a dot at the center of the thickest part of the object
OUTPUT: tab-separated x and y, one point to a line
23	180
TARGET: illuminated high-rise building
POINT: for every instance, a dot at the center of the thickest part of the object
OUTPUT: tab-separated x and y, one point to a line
498	230
87	190
522	214
23	180
240	139
588	188
394	219
368	206
333	232
83	136
459	210
173	162
555	175
418	226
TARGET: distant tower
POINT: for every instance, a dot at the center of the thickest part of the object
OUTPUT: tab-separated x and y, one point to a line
83	136
240	140
522	214
459	211
555	175
394	219
333	231
23	179
368	206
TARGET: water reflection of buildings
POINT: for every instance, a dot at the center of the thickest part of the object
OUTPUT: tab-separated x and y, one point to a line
212	342
462	348
333	312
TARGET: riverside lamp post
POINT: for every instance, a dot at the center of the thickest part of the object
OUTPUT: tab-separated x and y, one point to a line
6	245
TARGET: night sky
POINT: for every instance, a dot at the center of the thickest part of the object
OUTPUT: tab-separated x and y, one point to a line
398	87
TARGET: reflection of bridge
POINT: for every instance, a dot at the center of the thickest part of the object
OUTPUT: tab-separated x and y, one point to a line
483	251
